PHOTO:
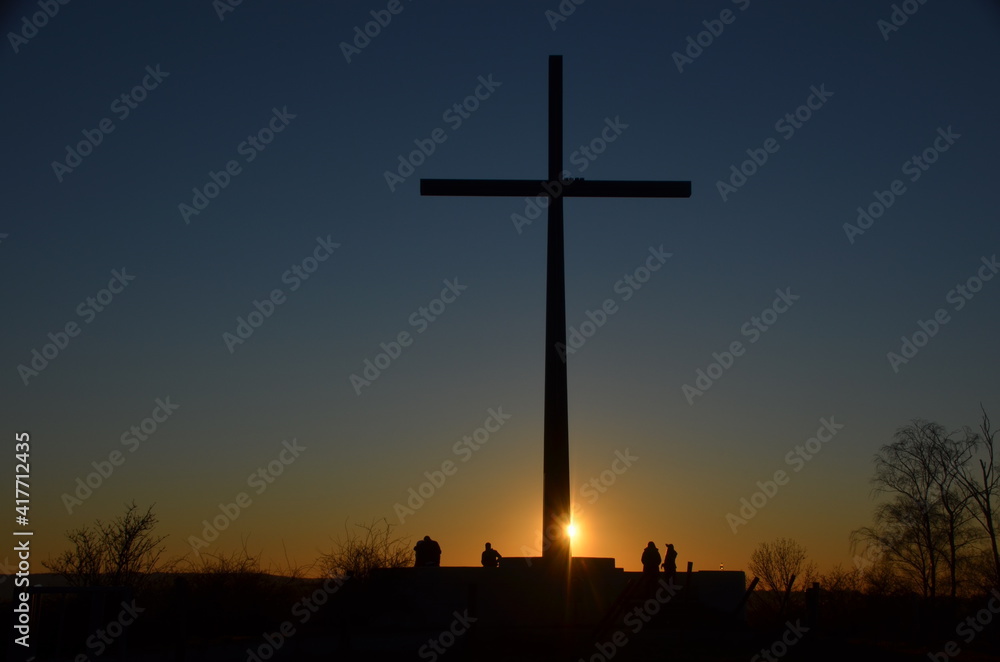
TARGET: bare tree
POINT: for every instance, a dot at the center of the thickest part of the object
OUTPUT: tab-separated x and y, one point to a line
953	454
982	487
121	552
841	579
925	529
82	565
880	579
239	562
905	469
900	535
777	564
369	547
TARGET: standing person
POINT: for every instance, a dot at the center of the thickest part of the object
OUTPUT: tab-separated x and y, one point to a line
670	565
420	553
490	557
651	561
433	550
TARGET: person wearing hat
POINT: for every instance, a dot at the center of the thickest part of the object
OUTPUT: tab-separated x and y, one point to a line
670	565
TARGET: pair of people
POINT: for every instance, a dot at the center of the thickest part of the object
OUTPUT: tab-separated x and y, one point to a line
651	561
427	552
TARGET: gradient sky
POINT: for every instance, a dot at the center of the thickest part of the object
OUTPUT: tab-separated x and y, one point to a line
323	176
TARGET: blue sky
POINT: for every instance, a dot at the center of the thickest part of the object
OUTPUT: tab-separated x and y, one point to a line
322	178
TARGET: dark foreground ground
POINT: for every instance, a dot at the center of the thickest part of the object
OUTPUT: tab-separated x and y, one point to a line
662	645
237	618
652	643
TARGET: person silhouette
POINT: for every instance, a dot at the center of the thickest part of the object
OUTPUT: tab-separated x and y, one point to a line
433	551
670	565
490	557
420	554
651	560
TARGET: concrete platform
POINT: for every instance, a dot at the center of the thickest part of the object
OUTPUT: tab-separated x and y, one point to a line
520	593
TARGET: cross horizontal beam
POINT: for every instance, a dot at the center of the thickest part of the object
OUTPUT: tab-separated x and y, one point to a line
577	188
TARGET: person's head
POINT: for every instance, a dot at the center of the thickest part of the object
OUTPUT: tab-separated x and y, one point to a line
651	544
669	546
489	546
427	538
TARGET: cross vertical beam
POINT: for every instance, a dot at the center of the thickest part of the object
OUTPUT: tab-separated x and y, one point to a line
555	487
556	507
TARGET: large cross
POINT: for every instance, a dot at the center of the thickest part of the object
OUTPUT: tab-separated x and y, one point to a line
556	486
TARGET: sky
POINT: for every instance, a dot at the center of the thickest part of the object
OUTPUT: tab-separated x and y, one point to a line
212	228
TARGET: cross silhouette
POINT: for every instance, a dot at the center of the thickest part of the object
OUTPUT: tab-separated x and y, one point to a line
556	485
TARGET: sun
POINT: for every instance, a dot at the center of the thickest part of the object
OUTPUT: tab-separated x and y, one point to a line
571	531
